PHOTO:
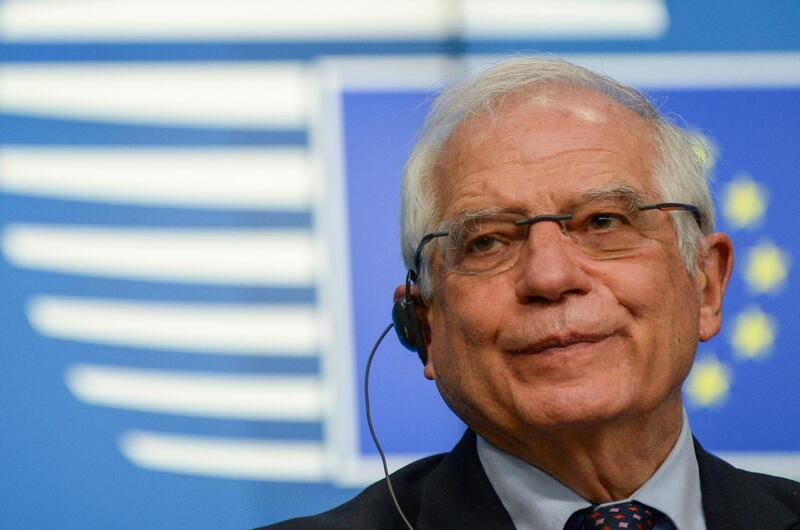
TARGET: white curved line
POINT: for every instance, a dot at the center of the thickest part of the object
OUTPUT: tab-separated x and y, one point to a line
237	329
276	179
565	19
699	70
221	20
253	257
686	70
237	396
230	95
233	458
290	20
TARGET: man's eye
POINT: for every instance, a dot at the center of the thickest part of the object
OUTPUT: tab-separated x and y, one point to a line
605	221
482	244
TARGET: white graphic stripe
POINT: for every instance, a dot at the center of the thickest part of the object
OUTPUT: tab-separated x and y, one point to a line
277	179
686	70
565	19
113	20
236	95
243	397
253	257
304	20
237	329
699	70
225	457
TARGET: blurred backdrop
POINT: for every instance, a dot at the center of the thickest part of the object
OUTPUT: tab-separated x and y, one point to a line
198	237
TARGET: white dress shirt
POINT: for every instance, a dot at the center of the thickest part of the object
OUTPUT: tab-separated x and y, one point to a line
537	501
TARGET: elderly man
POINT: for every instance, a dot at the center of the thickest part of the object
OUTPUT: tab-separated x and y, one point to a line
559	233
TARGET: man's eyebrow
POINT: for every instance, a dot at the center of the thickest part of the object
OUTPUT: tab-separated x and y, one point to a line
620	193
629	196
468	215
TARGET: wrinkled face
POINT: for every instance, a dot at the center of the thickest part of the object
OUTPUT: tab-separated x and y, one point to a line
560	338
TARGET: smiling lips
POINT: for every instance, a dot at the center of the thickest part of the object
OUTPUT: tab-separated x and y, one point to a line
559	342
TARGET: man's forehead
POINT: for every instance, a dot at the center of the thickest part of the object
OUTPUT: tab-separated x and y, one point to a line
547	132
537	106
584	104
581	103
620	193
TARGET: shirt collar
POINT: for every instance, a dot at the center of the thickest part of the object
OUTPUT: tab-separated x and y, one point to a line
535	500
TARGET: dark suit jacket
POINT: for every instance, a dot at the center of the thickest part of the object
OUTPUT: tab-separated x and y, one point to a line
452	491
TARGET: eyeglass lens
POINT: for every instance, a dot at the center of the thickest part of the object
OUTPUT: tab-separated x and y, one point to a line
493	241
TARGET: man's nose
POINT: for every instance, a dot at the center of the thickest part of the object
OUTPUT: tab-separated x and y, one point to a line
549	265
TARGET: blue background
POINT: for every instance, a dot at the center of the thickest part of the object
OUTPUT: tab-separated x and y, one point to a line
61	465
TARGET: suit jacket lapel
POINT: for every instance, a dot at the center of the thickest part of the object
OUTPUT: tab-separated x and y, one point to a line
733	499
458	494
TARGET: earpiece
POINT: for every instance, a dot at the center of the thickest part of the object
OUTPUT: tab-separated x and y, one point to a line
407	323
409	332
409	328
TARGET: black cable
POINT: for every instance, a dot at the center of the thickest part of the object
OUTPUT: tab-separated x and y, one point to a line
372	429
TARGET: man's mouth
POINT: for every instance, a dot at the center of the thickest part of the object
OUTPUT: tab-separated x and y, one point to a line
559	342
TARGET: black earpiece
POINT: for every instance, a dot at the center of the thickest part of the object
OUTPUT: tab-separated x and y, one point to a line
409	331
404	313
406	322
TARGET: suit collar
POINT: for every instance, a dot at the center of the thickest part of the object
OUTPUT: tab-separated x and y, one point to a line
458	494
733	499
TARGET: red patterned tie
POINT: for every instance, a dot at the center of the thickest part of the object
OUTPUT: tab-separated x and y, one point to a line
630	515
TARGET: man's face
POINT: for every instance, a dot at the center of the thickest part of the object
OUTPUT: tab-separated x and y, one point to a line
562	339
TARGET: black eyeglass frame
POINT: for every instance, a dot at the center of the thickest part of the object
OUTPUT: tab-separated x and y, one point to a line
664	206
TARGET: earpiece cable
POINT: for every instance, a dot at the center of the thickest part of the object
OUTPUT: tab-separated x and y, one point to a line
372	428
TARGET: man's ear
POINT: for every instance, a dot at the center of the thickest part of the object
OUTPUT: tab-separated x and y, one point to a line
713	274
399	292
423	314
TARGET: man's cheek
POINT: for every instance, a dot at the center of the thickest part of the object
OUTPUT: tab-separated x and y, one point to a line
468	321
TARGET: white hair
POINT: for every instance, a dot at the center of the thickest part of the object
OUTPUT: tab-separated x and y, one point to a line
680	170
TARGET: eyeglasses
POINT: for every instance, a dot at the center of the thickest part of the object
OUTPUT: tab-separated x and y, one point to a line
490	242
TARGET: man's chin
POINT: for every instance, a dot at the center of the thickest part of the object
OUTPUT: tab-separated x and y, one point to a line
571	412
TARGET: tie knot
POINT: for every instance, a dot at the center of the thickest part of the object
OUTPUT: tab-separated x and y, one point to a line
631	515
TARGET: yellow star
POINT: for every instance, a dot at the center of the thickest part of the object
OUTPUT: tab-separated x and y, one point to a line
753	334
766	268
708	383
745	202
